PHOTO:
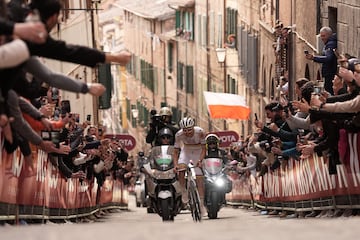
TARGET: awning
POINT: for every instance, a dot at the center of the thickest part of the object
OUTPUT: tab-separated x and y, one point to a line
226	105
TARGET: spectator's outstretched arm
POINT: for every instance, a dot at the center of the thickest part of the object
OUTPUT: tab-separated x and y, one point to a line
62	51
13	53
30	31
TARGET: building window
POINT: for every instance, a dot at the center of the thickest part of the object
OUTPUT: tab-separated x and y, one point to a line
231	21
185	24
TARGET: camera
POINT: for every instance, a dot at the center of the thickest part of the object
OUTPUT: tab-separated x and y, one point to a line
53	136
88	118
155	119
306	52
317	90
288	109
266	145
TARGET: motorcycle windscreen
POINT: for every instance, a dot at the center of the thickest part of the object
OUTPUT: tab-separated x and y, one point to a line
213	165
162	156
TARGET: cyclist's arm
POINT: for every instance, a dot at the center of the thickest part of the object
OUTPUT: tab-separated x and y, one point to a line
176	156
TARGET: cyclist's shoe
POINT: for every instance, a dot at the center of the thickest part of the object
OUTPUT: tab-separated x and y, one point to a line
184	197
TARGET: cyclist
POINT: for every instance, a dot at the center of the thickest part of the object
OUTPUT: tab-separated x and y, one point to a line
190	143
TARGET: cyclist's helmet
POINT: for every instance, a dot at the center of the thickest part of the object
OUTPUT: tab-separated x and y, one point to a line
212	139
187	122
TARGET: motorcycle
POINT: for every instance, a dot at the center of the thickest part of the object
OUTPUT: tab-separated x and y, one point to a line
162	186
217	185
139	189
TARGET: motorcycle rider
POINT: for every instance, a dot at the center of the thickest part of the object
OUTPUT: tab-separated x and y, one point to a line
213	151
166	136
189	145
212	148
163	120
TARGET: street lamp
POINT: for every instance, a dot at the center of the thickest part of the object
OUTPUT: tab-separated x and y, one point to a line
135	113
220	54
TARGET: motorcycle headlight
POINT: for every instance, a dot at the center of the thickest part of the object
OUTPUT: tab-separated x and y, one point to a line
220	182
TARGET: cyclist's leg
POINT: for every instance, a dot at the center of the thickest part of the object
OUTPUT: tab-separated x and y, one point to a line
181	177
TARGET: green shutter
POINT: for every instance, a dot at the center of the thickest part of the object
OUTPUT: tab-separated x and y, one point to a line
189	79
177	19
105	78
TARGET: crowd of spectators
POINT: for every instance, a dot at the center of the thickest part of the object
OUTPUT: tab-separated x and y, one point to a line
316	123
32	113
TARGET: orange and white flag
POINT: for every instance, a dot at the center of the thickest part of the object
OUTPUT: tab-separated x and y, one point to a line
226	105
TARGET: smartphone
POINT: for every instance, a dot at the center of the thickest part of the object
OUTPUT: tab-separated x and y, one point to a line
65	107
88	117
337	54
306	52
256	117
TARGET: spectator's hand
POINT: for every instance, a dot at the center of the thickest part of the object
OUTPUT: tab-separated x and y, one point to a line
96	89
64	147
31	31
47	146
309	56
308	150
259	124
47	123
302	105
122	57
346	74
79	174
324	95
315	101
274	127
47	110
128	175
66	119
276	150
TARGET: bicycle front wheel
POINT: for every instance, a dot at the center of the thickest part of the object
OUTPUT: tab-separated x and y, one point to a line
194	202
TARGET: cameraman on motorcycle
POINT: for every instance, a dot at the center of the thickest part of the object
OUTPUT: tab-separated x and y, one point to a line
158	122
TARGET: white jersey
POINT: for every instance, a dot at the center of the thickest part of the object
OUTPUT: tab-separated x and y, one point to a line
191	147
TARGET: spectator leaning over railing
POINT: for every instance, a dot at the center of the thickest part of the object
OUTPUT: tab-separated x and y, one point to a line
328	58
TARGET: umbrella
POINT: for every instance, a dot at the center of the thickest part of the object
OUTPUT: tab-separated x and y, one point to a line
226	105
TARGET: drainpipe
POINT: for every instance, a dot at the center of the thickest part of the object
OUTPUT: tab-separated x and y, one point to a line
208	62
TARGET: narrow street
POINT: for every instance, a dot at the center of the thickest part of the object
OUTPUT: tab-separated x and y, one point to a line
232	224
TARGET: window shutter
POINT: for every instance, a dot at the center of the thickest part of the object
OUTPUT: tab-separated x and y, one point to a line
105	78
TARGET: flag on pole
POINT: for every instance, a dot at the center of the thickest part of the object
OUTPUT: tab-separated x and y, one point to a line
226	105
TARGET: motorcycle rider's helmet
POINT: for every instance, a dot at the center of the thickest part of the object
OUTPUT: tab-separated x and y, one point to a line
165	114
212	141
187	122
166	133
